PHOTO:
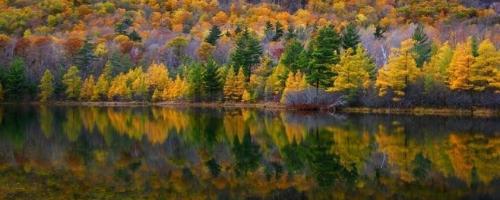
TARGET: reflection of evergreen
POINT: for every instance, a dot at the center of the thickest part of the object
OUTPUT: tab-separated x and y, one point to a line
213	167
422	167
293	155
14	125
246	153
325	165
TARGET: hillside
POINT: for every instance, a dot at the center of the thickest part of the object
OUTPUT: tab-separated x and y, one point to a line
371	52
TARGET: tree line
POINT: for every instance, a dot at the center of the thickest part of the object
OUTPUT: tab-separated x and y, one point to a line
418	73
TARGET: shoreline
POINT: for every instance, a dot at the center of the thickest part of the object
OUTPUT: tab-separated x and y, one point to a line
416	111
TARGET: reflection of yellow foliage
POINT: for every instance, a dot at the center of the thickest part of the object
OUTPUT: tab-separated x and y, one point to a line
352	146
234	126
467	150
399	148
294	131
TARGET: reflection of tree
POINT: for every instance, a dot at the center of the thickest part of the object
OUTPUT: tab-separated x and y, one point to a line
294	157
325	165
398	147
46	121
421	167
234	125
73	124
246	153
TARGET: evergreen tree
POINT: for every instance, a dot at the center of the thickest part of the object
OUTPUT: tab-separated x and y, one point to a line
15	80
400	71
73	82
485	72
121	28
211	81
134	36
278	33
475	47
119	63
248	52
195	81
422	47
379	32
325	50
350	37
460	67
85	56
214	35
289	58
290	34
46	86
268	31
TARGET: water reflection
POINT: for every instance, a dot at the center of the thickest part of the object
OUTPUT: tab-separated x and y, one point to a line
156	152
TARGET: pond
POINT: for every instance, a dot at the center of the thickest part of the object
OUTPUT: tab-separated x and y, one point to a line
67	152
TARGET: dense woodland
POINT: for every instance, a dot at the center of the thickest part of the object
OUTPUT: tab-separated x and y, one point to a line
376	53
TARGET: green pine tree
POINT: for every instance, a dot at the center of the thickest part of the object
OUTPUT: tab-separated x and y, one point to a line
293	51
325	53
350	37
278	31
214	35
15	81
134	36
423	46
85	56
248	52
195	81
268	30
211	81
290	34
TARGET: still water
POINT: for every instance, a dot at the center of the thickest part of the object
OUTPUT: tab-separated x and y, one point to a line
192	153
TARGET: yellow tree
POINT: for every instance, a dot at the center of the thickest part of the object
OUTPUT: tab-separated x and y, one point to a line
101	88
157	77
46	86
178	89
119	88
294	82
88	88
399	72
139	84
240	84
485	72
436	70
460	67
229	84
275	83
352	74
73	82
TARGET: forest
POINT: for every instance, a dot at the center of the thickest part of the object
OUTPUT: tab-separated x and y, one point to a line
370	53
